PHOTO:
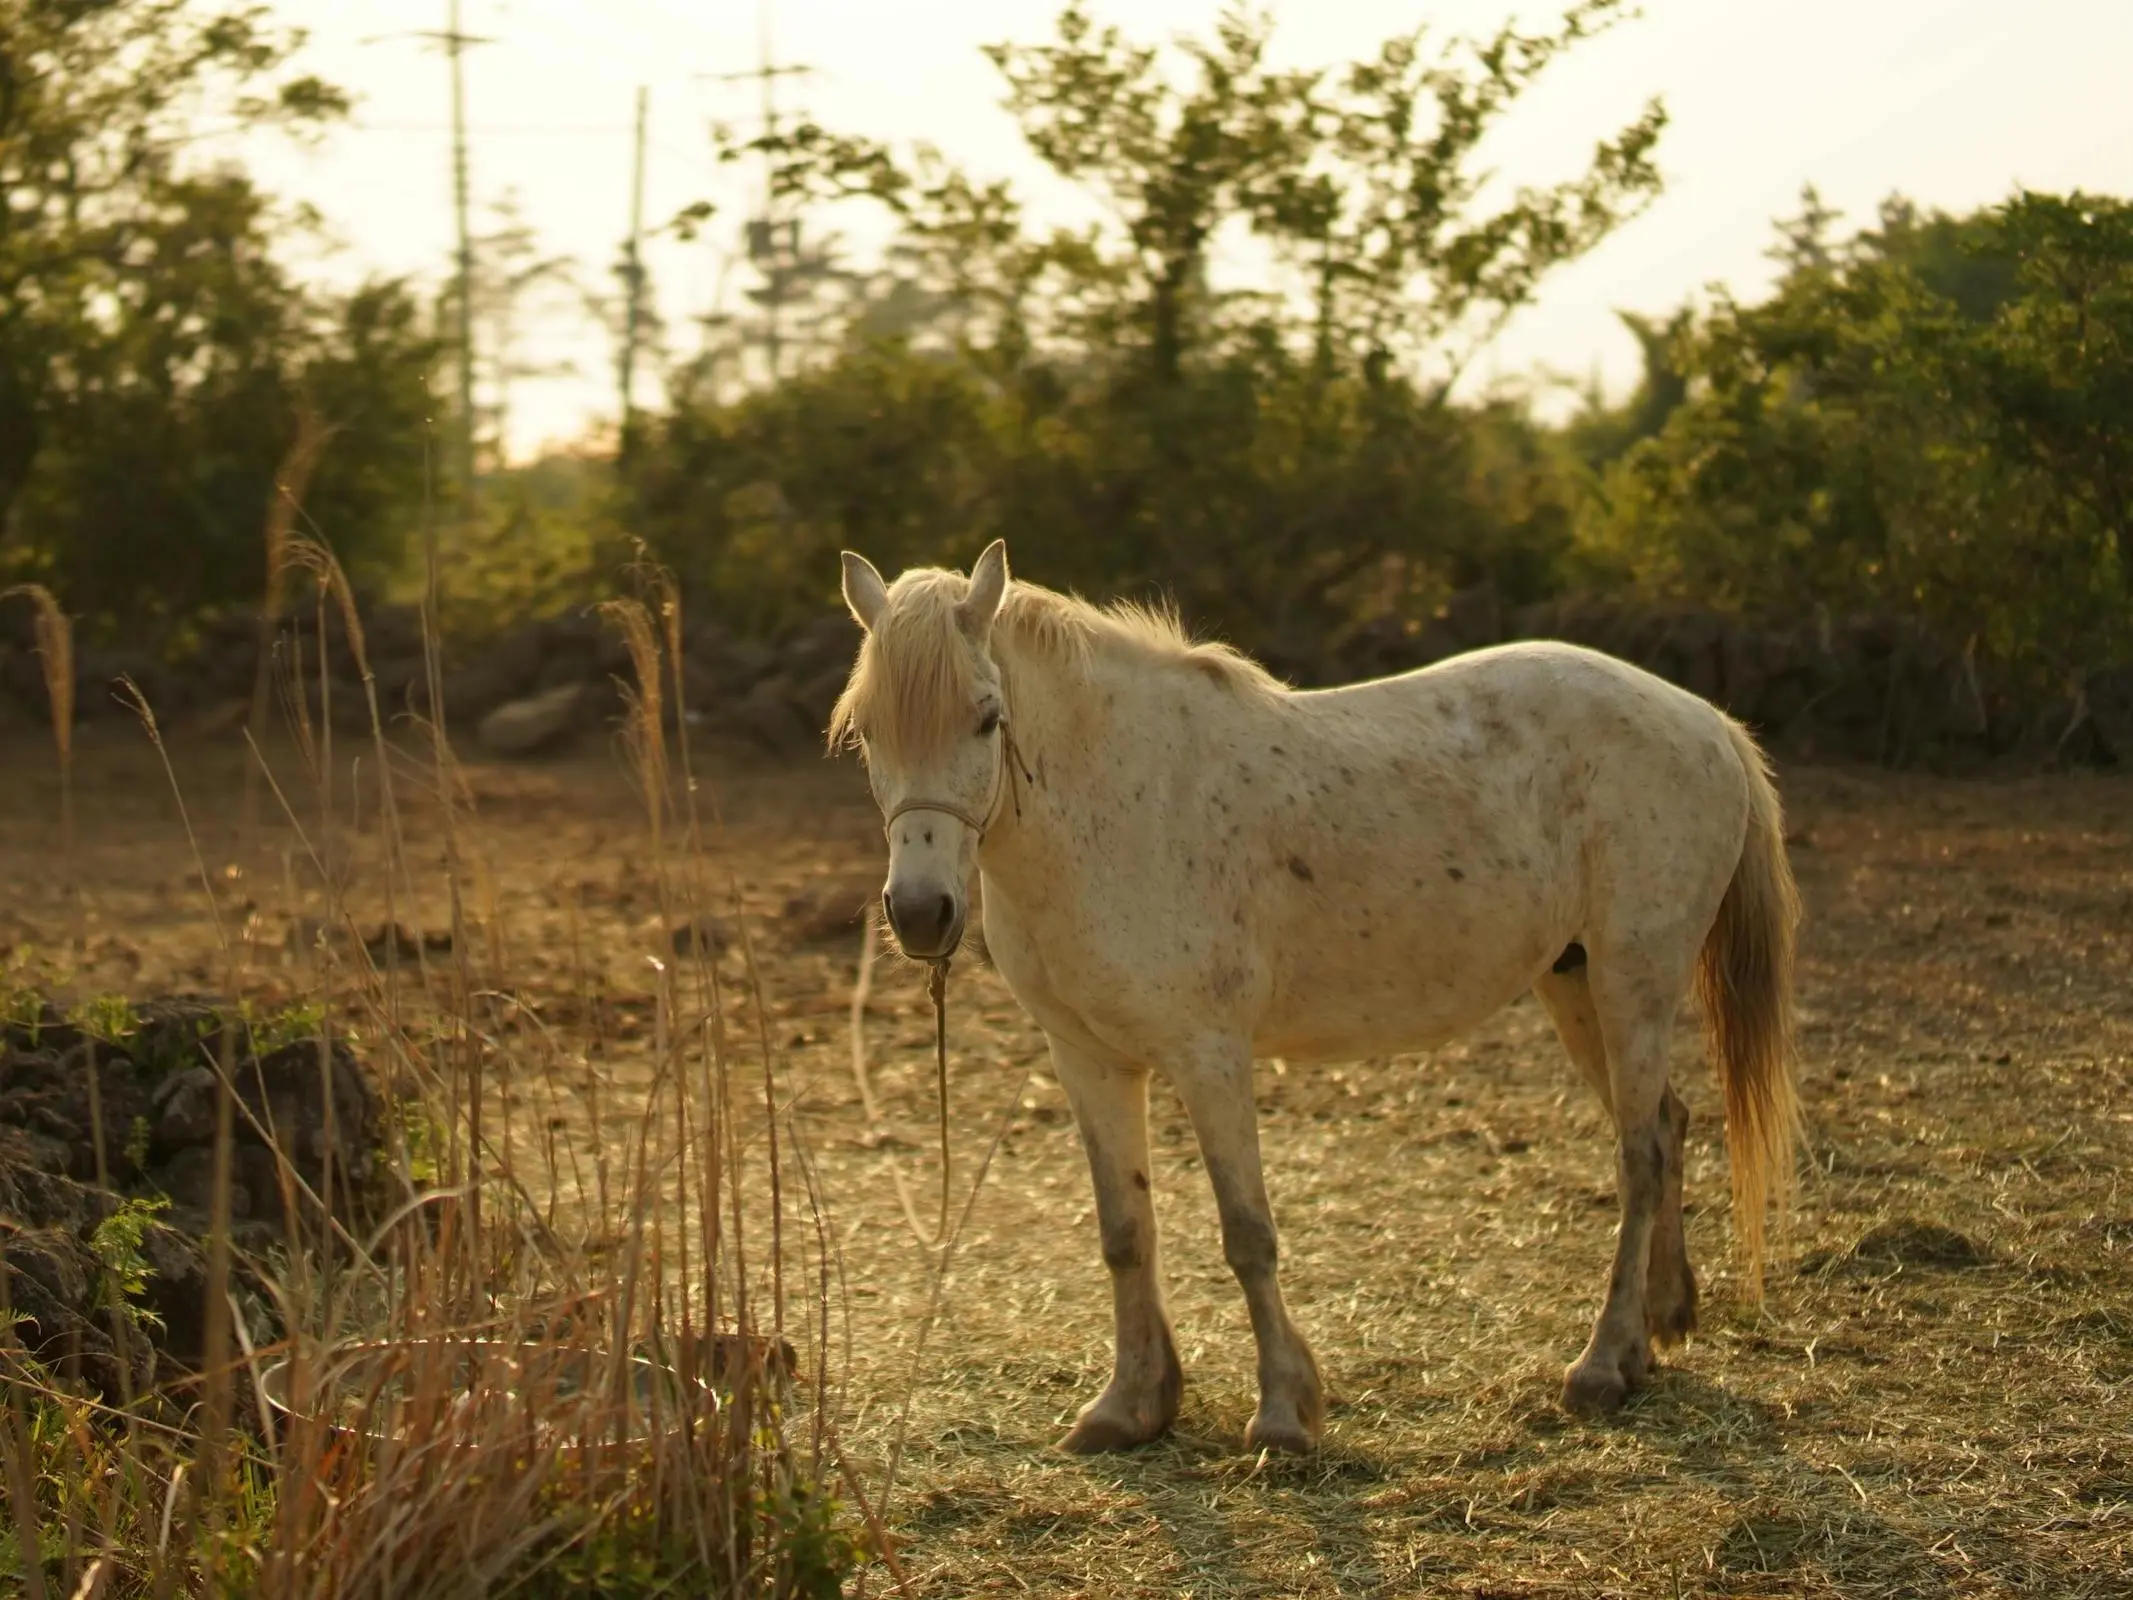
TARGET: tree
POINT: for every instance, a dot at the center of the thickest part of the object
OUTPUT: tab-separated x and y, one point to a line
151	350
95	100
1866	440
1601	433
1281	455
1365	182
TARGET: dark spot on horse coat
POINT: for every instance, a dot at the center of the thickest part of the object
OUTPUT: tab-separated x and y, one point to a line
1572	958
1455	874
1140	1180
1301	868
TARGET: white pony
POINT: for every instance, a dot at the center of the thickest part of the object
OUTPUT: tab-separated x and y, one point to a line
1188	865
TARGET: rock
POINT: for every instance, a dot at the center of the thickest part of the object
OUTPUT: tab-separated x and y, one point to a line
714	664
706	692
829	641
158	1097
176	1292
398	944
569	650
169	1032
100	685
285	1094
47	1094
768	715
753	659
707	935
2109	695
402	685
392	633
527	727
185	1110
54	1290
54	1124
473	691
59	1289
830	913
816	698
189	1179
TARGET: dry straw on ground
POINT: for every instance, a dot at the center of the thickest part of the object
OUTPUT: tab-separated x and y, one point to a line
1936	1399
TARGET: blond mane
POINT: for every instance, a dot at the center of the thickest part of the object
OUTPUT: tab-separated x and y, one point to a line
911	688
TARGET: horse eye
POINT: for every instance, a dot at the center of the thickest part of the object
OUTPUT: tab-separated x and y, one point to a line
989	721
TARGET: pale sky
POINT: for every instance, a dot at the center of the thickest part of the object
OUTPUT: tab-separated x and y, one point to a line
1952	101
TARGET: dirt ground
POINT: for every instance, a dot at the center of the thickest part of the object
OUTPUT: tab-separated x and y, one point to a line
1937	1398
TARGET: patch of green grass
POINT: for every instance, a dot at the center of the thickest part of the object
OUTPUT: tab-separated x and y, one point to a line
140	1133
21	1007
275	1028
116	1244
417	1130
634	1553
108	1017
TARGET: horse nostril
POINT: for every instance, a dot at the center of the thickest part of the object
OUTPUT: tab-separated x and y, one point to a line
947	914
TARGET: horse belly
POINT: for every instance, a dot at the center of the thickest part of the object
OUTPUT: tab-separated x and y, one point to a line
1390	979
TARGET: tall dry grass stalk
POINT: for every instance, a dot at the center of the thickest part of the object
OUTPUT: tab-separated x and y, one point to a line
292	479
55	657
540	1370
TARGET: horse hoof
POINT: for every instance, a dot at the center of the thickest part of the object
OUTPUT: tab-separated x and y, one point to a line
1289	1438
1594	1389
1096	1432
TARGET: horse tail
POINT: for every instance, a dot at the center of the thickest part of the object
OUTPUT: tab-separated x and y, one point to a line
1744	979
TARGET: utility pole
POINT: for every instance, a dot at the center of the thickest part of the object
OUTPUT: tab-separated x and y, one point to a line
768	246
455	42
767	77
633	272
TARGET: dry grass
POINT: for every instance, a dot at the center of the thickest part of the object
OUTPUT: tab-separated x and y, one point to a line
55	659
410	1435
1937	1398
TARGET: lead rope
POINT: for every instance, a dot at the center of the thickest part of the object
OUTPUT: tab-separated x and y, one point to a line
937	987
1013	773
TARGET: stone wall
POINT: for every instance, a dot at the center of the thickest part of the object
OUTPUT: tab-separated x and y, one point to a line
560	677
1860	688
152	1095
1852	688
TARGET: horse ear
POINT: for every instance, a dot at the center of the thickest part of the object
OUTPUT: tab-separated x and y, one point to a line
988	587
864	591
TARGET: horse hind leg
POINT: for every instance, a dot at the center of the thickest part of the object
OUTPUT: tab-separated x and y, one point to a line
1568	998
1670	1286
1652	1291
1670	1281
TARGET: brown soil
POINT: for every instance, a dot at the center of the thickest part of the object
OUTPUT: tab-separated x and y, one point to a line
1937	1398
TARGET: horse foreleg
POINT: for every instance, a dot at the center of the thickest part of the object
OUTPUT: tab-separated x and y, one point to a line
1618	1356
1110	1103
1216	1087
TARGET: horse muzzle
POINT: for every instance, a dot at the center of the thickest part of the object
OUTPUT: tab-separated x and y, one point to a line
927	923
